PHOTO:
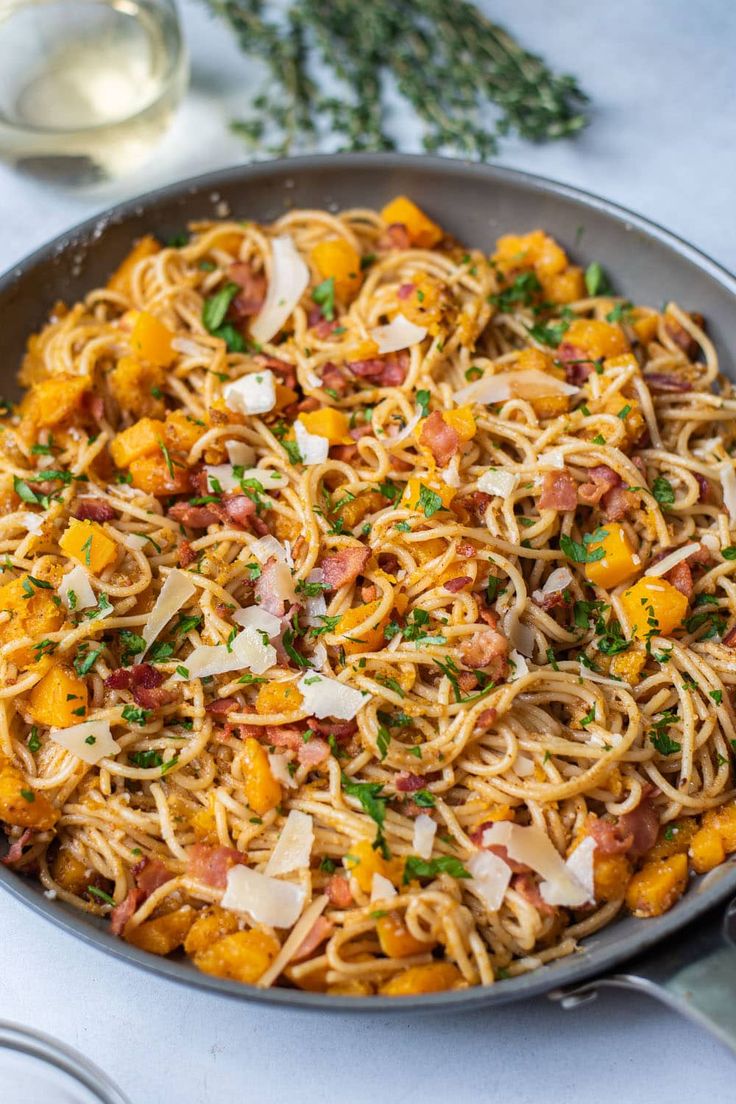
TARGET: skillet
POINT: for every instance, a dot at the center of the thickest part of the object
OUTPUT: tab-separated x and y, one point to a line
687	957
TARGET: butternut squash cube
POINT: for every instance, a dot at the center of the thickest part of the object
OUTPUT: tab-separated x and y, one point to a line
422	231
657	886
88	543
181	432
140	439
628	666
163	934
278	697
564	287
54	400
618	562
723	820
242	956
596	338
210	925
535	250
706	850
32	613
153	475
353	511
337	259
674	839
432	978
395	938
611	875
363	861
132	385
262	791
120	279
59	698
20	804
427	497
151	340
71	874
653	607
462	421
349	624
329	423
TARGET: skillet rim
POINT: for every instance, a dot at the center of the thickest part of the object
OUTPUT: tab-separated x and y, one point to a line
590	961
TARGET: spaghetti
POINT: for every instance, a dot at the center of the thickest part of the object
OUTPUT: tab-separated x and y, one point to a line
367	603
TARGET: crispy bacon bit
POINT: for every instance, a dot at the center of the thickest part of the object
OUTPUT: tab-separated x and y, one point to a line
663	383
322	327
395	237
440	438
211	864
344	566
551	599
641	825
609	839
485	719
704	485
222	706
526	887
476	503
93	509
465	550
333	378
15	851
339	730
194	517
250	298
681	577
282	368
405	290
406	782
150	875
388	371
457	584
680	335
577	364
602	479
310	752
240	510
93	405
321	929
368	592
467	681
487	650
232	509
389	563
144	682
617	503
186	553
729	640
338	890
123	911
559	491
314	752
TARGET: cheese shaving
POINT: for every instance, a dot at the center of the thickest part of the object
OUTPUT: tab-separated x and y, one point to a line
176	591
326	697
530	845
398	334
381	889
267	900
425	829
246	651
252	394
287	283
500	483
531	383
294	845
90	741
76	582
491	877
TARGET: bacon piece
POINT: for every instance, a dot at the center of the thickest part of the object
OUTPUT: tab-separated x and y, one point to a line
681	577
186	553
388	371
440	438
340	730
150	875
285	371
361	431
15	851
457	584
344	566
663	383
347	453
123	911
559	491
321	929
333	377
525	885
576	362
396	236
144	682
252	295
338	890
93	509
211	864
194	517
729	640
467	681
602	479
476	503
314	752
406	782
405	291
310	752
487	650
222	706
93	405
617	503
551	599
389	563
239	509
368	592
485	719
641	825
609	839
704	485
680	335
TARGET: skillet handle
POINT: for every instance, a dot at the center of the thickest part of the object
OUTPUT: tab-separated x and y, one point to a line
694	974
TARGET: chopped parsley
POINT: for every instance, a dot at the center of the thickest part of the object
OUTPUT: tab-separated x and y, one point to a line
663	491
415	867
429	502
583	553
324	296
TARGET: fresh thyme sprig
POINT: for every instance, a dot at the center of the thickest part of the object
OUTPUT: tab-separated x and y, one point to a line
448	61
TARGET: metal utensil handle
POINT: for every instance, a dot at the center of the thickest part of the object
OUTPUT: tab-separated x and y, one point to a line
693	973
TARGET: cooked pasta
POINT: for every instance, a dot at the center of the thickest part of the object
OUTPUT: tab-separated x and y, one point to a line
367	603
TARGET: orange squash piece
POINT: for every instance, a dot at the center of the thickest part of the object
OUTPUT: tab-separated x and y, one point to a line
262	791
59	698
422	231
432	978
653	606
88	543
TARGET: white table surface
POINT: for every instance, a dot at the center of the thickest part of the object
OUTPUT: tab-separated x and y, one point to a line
662	78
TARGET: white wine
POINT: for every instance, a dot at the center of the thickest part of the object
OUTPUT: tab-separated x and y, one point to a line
87	87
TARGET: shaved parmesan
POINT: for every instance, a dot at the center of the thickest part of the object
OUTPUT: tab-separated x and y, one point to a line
400	333
135	541
520	667
238	452
32	523
190	348
705	448
258	619
288	279
246	650
520	635
451	476
531	846
294	845
77	582
498	482
90	741
281	583
177	589
580	865
319	656
711	541
524	766
425	830
312	447
266	547
381	889
728	482
279	764
557	580
222	477
268	900
593	676
528	384
326	697
674	558
491	877
253	394
553	458
316	605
